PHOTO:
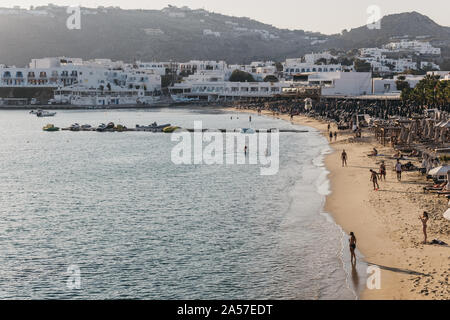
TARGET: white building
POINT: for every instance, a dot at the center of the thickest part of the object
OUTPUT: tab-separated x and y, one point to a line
292	68
73	76
342	83
420	47
382	86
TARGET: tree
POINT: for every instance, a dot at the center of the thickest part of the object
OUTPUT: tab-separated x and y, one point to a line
321	61
279	66
362	66
270	78
241	76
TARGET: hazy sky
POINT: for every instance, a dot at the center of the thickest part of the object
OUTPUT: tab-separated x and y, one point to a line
327	16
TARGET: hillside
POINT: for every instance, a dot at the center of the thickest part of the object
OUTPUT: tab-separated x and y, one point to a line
410	24
179	34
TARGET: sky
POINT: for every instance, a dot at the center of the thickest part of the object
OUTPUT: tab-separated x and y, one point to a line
326	16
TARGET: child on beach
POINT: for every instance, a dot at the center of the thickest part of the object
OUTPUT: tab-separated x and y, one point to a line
352	244
424	220
374	179
344	158
398	169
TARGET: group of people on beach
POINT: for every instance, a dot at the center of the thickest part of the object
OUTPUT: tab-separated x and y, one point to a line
331	134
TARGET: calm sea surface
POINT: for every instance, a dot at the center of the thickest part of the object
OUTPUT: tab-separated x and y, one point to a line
138	226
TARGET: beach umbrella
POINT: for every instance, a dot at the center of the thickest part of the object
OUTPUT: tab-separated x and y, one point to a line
426	129
443	131
409	140
439	171
447	214
436	134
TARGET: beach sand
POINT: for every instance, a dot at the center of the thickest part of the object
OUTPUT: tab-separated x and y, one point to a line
386	222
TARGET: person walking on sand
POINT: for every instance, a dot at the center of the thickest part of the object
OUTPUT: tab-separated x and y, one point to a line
424	220
331	136
328	127
398	169
352	244
382	171
374	179
344	158
335	135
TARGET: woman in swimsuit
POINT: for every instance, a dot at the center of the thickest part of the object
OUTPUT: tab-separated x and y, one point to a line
424	220
383	171
352	243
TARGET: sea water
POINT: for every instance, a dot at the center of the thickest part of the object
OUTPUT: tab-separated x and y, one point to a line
115	208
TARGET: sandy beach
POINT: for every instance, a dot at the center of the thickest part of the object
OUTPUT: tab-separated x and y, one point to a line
386	222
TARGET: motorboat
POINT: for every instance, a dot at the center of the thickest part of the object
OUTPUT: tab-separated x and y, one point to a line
86	127
120	128
75	127
154	127
43	113
170	129
50	127
247	130
101	127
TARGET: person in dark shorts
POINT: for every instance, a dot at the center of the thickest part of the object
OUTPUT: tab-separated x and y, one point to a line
398	169
352	244
374	179
382	171
344	158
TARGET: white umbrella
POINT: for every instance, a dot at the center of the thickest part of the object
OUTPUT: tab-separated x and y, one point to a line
447	214
439	171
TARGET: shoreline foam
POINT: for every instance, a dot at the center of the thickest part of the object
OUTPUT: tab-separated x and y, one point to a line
385	222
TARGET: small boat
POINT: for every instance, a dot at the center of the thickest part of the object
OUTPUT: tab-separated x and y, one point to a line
50	127
74	127
101	128
154	127
247	130
43	113
120	128
86	127
170	129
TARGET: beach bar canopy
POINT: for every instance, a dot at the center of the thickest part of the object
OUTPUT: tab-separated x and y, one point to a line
439	173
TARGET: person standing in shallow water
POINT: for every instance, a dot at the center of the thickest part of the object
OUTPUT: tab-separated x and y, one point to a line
352	244
331	136
424	220
344	158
